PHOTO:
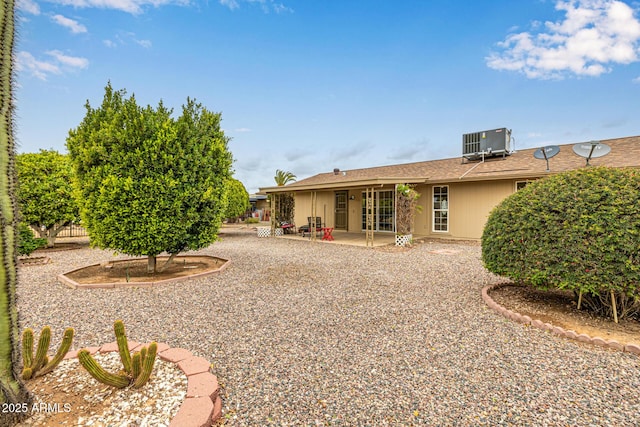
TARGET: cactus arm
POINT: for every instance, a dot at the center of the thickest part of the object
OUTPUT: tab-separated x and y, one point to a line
43	347
27	348
97	372
67	339
147	366
136	365
27	373
123	345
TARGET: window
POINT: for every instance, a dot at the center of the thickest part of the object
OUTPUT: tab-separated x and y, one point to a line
521	184
441	208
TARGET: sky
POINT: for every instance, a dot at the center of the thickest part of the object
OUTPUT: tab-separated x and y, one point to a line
307	86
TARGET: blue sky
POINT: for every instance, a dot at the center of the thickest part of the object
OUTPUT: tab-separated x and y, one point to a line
307	86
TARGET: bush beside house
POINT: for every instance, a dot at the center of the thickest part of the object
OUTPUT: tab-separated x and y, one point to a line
578	231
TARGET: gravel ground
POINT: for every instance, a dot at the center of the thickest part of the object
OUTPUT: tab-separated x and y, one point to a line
304	333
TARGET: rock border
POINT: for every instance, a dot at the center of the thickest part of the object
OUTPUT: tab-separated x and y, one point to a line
32	261
202	405
557	330
62	278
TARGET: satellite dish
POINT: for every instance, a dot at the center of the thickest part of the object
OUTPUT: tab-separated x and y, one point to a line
545	153
591	150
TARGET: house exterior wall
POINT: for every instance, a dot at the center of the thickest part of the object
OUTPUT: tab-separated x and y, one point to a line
325	201
469	206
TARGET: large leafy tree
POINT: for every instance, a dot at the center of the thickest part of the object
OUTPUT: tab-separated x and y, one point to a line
12	391
237	200
45	192
147	182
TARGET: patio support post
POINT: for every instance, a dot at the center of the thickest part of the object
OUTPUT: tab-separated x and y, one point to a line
314	208
369	216
273	214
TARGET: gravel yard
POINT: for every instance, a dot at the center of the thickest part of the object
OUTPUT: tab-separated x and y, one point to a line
304	333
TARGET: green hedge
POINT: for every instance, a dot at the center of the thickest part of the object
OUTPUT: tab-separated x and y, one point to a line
27	242
578	230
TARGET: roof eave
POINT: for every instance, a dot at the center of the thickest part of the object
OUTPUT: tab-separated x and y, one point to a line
344	184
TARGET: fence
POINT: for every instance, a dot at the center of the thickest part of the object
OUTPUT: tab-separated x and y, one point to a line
72	230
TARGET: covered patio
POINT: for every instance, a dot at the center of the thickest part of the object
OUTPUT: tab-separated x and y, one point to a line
358	211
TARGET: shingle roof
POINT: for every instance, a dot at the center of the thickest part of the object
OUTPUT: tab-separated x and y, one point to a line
625	152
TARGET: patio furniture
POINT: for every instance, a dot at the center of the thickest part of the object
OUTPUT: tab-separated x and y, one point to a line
307	228
288	228
327	233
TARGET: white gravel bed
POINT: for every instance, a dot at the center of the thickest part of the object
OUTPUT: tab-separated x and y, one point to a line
305	333
153	405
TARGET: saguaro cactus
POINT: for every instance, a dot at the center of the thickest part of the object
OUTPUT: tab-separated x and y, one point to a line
40	365
137	369
12	390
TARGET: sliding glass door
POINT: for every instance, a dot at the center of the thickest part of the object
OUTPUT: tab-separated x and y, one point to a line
383	211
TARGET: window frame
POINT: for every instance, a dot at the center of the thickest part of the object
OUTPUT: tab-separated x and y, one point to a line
438	211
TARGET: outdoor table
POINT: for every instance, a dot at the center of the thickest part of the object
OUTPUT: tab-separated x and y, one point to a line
327	233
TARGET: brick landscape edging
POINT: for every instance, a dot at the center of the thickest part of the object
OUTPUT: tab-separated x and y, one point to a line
202	405
517	317
62	278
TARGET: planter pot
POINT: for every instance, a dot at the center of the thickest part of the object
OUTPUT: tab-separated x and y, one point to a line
403	239
266	232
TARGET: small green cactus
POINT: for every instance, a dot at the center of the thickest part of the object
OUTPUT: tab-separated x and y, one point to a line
43	347
123	345
40	365
146	365
97	372
67	339
137	369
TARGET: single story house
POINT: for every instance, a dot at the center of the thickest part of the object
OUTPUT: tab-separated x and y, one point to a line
457	194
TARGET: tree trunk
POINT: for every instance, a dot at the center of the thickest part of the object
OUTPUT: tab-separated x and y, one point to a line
12	390
53	234
151	264
169	261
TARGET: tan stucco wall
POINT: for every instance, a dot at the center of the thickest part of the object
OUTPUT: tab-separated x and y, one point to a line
325	201
469	206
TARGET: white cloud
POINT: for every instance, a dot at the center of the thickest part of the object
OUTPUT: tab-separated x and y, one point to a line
71	24
69	61
39	69
636	80
231	4
123	38
242	130
57	63
28	6
267	6
130	6
144	43
594	35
